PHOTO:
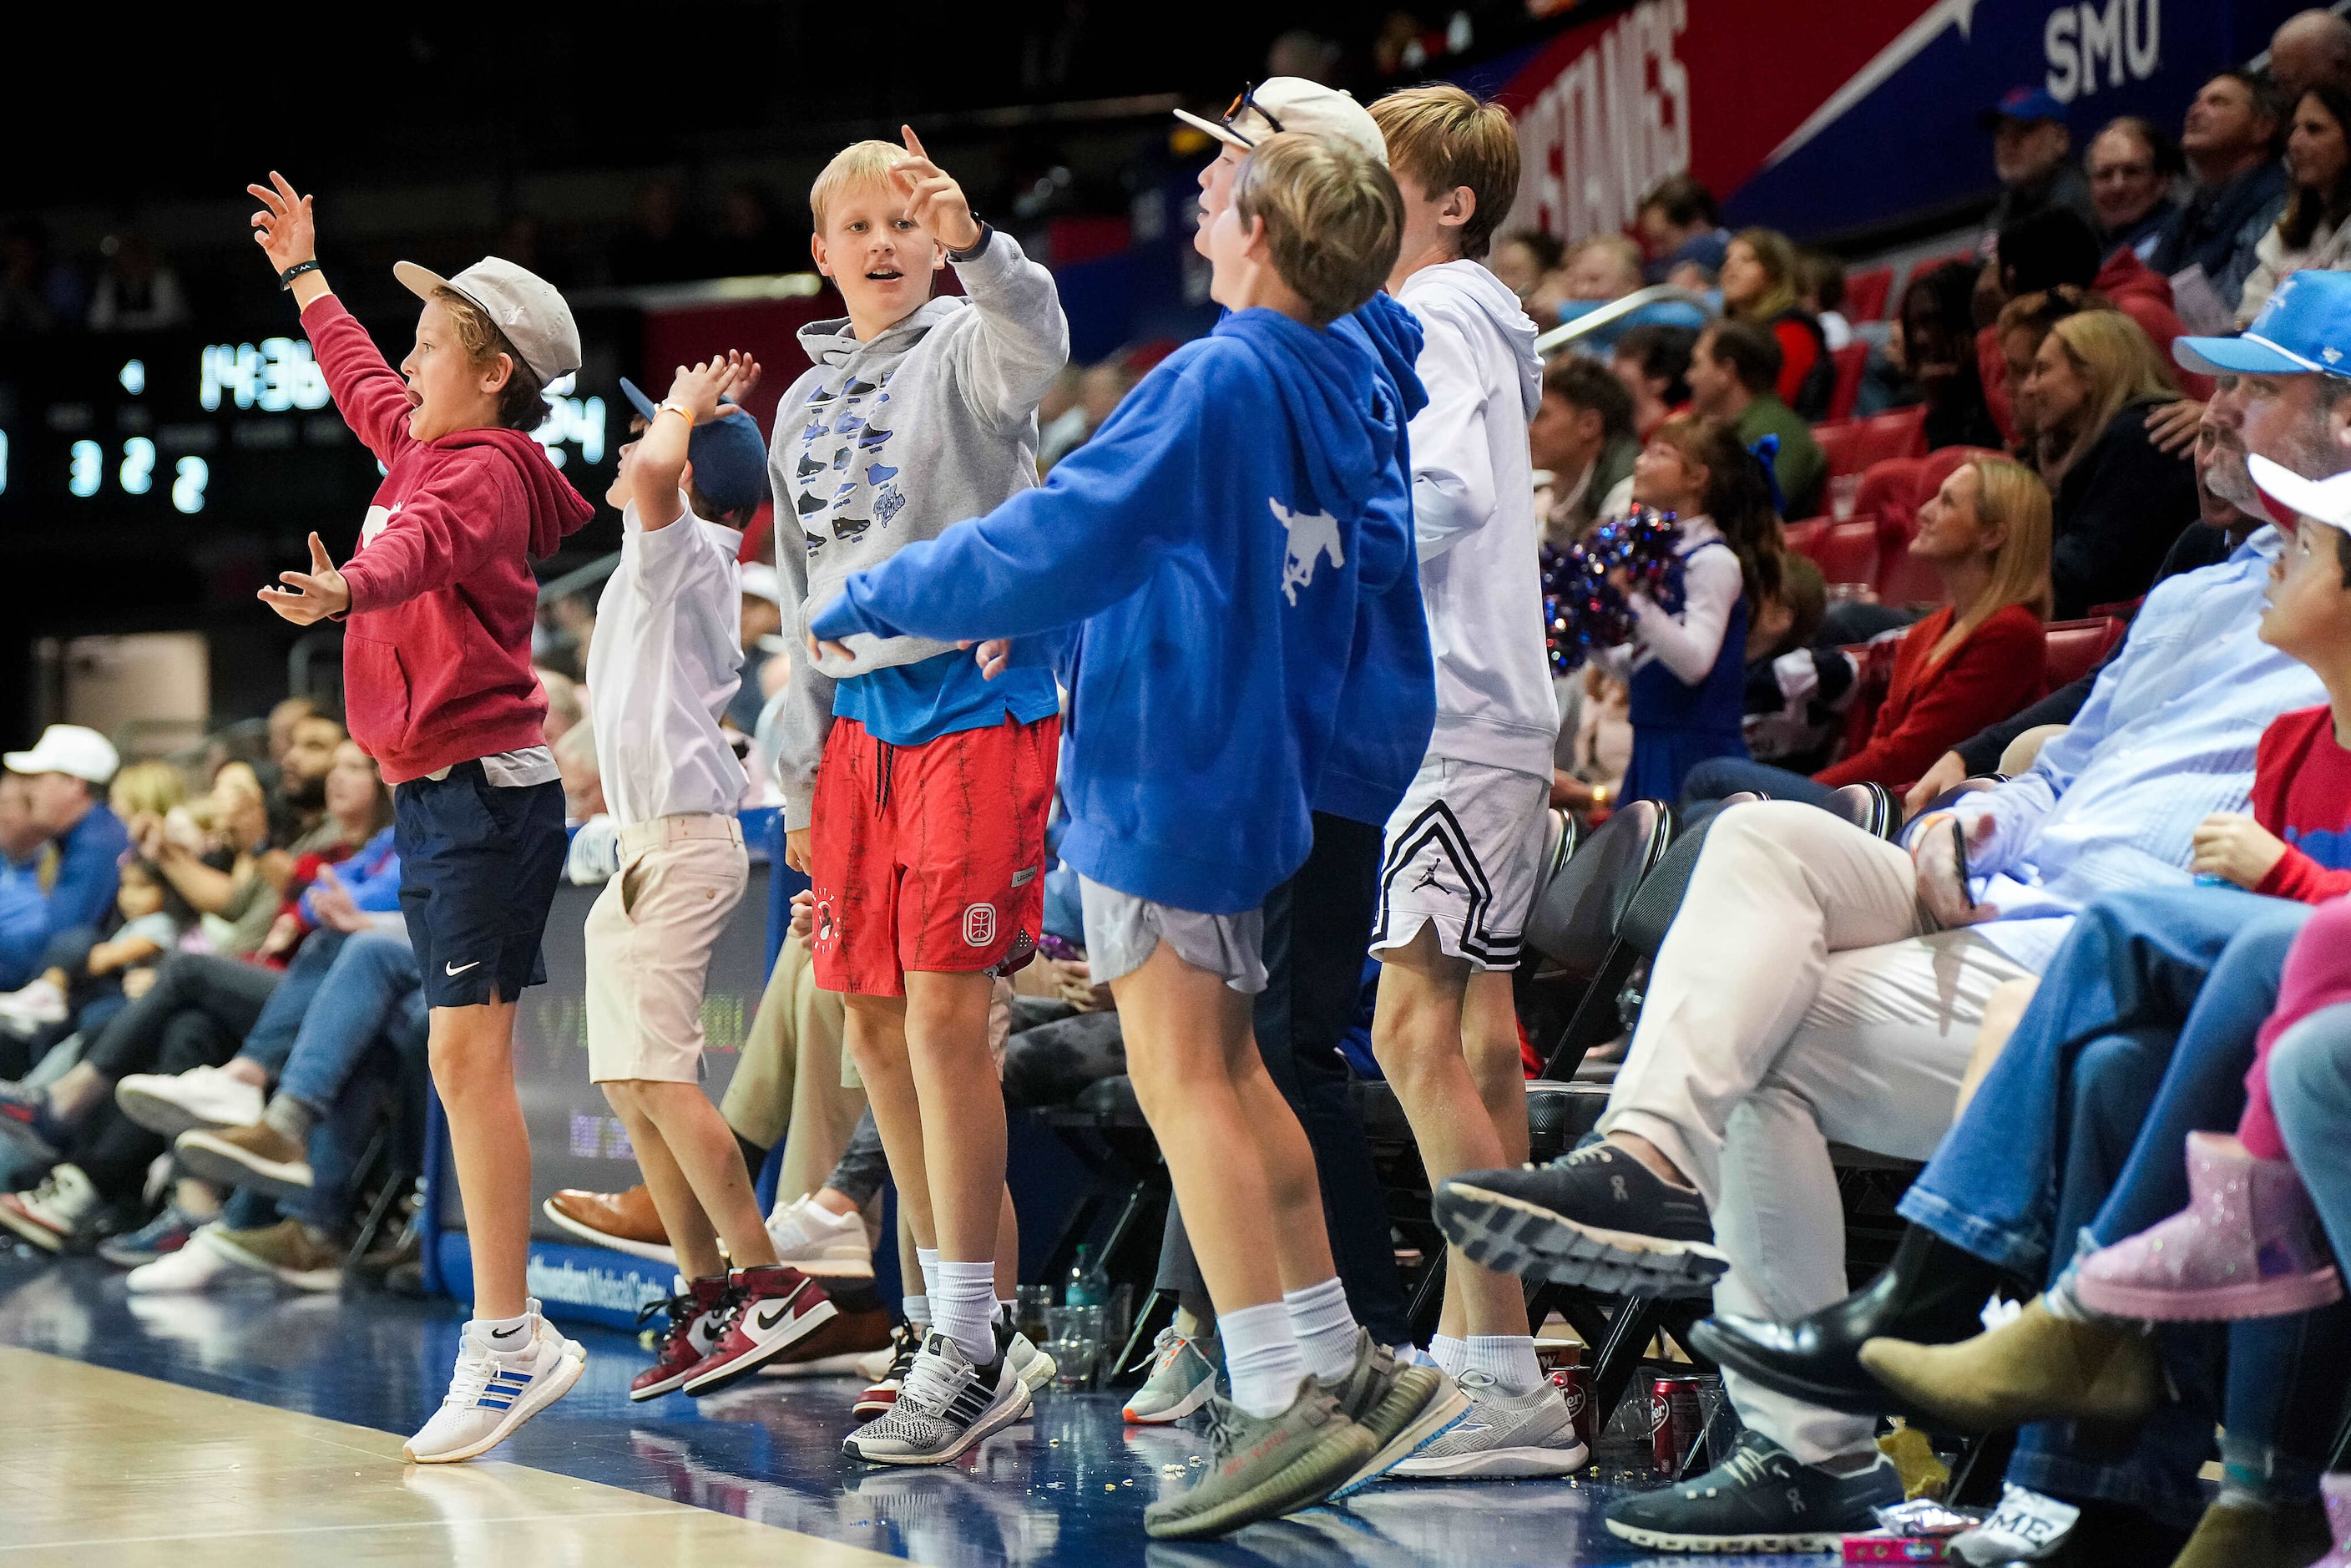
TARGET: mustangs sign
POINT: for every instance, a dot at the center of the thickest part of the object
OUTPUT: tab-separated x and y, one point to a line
1825	116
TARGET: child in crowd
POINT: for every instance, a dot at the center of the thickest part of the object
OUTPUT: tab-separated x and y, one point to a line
1688	665
1462	846
83	972
441	602
665	663
1244	471
2241	1248
915	790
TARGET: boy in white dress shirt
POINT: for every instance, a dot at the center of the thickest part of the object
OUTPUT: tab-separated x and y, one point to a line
666	660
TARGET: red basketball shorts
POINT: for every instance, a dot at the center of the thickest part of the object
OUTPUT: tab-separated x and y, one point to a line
929	857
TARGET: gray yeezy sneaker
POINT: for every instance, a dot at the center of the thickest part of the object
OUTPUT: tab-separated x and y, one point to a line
1260	1468
1403	1407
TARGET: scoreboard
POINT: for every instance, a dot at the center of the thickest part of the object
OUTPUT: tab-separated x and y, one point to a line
140	430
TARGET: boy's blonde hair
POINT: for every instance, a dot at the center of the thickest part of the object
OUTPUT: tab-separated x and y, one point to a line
1445	137
1333	218
153	786
859	163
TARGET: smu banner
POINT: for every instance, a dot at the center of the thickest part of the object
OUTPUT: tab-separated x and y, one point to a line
1823	115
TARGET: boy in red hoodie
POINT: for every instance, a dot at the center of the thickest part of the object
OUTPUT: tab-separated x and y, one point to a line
439	689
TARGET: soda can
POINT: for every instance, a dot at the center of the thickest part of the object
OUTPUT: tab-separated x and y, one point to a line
1677	1420
1574	1381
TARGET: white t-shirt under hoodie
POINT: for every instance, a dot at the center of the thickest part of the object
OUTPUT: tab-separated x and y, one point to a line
1474	519
665	661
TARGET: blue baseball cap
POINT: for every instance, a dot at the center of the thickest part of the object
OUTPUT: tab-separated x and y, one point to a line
2304	328
2023	103
729	454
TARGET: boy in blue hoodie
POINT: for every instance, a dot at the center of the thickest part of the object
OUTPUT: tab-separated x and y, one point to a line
1230	521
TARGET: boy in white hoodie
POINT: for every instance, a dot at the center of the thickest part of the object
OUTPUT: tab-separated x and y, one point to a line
1458	873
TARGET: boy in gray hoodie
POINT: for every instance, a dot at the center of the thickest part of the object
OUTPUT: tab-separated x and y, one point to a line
915	790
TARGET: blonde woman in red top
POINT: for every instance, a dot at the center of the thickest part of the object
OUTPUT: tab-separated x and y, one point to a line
1975	661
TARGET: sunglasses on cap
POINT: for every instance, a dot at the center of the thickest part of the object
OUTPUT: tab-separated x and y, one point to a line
1247	100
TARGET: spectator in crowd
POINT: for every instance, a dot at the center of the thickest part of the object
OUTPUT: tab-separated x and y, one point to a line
24	902
1939	350
2311	232
2056	250
1733	370
2132	164
1582	435
583	779
1524	257
1795	1000
1681	232
2230	142
1686	668
67	771
2309	47
137	291
237	899
2120	500
1792	711
1759	285
564	703
2031	152
2022	325
1601	270
1971	663
1820	289
1654	364
296	796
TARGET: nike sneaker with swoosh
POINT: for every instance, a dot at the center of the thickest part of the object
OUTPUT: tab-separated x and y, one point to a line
503	1379
774	1308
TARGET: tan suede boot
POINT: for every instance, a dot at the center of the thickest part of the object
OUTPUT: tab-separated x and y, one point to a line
2291	1535
2038	1367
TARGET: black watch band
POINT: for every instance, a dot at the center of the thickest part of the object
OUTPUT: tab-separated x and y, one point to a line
286	279
987	234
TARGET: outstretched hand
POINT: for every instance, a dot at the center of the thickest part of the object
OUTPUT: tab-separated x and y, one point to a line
934	199
313	595
698	389
283	227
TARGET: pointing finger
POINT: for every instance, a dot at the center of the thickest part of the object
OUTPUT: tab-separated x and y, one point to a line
913	143
319	559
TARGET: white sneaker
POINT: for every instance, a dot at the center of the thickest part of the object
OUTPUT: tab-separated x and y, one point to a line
37	1004
1033	1366
549	1334
192	1268
1502	1436
493	1392
946	1407
52	1213
171	1103
815	1241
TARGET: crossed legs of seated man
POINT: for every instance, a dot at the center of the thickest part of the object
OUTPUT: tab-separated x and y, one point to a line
1801	998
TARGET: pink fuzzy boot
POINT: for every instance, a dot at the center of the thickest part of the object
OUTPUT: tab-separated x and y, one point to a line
2241	1248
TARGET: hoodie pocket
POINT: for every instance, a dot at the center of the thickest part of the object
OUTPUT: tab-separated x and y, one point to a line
375	693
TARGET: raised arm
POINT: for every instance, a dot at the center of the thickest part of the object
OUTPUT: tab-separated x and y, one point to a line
1023	340
370	392
657	475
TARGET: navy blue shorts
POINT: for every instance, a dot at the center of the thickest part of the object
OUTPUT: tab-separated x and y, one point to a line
479	868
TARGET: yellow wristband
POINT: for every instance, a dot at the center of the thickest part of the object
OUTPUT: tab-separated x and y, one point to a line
679	409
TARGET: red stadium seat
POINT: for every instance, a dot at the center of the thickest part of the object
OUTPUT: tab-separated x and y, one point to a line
2075	647
1854	445
1865	293
1846	552
1850	361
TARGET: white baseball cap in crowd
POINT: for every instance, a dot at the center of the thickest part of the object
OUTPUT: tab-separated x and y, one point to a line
2324	500
525	305
1293	103
68	748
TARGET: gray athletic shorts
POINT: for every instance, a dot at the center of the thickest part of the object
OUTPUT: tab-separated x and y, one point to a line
1123	931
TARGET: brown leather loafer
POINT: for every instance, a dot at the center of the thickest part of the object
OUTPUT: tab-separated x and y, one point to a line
624	1221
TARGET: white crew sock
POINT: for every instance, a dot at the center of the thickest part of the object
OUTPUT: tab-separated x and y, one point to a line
917	1310
1262	1358
926	1258
516	1330
963	1300
1451	1355
1325	1329
1507	1359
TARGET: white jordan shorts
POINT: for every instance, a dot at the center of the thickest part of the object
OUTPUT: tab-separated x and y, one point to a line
1460	853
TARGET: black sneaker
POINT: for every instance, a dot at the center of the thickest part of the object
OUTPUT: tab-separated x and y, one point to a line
1759	1499
1597	1217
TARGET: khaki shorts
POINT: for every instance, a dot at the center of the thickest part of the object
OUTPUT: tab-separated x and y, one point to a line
649	939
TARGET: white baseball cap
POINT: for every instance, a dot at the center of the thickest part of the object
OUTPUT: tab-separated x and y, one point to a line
2324	500
68	748
525	305
1293	103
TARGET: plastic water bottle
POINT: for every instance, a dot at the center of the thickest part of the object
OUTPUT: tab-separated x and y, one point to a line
1088	1286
